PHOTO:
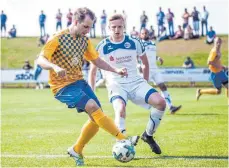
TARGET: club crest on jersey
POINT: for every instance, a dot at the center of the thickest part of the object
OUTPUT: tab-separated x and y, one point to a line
111	58
127	45
110	47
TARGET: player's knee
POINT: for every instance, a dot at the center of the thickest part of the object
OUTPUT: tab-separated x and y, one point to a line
91	106
160	103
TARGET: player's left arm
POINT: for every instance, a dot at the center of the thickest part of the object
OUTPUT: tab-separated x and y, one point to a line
160	59
145	66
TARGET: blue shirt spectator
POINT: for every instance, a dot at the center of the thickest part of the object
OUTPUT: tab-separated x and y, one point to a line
210	36
188	63
160	20
3	22
42	19
13	32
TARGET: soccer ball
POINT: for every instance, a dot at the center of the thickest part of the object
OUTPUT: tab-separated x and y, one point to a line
123	151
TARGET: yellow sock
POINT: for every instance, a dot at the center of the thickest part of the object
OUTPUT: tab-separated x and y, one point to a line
208	91
107	124
88	131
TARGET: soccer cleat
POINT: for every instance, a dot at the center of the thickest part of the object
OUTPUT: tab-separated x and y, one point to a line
153	145
77	157
198	94
134	140
174	109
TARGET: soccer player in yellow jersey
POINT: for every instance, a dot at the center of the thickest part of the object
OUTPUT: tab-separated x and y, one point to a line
218	76
63	56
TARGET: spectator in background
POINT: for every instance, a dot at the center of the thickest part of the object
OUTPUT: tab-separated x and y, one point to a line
210	36
27	66
134	32
143	20
152	33
13	32
42	19
195	17
69	17
3	23
170	17
188	33
103	24
92	31
58	20
163	35
124	15
42	40
160	21
204	21
185	17
178	34
189	64
37	73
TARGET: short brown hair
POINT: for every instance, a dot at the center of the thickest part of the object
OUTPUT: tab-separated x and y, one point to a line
116	17
80	14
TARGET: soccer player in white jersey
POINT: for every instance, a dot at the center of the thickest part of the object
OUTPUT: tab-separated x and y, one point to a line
121	50
154	75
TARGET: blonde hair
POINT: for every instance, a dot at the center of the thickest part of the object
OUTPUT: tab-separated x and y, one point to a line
116	17
80	14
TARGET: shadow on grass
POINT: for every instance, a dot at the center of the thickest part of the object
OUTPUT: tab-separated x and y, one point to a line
186	157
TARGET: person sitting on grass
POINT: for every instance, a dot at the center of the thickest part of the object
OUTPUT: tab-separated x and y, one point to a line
13	32
210	36
178	34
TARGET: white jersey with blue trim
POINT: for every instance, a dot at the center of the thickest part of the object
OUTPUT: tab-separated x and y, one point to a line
151	52
121	55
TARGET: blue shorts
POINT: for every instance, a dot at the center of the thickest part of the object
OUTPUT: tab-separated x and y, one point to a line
76	95
218	79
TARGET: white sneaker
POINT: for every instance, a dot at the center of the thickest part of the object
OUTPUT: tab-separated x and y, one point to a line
77	157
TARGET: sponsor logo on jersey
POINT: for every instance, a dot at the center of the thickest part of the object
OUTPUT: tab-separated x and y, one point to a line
127	45
111	58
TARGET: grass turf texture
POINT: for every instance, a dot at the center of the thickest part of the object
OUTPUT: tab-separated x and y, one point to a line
34	124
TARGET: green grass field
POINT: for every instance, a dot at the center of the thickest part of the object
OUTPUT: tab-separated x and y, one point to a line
37	130
174	52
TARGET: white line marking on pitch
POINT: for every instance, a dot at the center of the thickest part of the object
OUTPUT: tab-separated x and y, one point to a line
108	157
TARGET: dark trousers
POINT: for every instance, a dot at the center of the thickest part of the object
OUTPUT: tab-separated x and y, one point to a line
204	23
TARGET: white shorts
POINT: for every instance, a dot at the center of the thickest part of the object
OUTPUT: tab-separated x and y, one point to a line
155	77
137	91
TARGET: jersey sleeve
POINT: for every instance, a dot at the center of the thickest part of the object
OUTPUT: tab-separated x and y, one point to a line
50	47
90	54
99	48
212	55
139	46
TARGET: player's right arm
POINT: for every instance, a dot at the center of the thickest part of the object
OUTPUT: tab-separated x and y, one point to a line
44	58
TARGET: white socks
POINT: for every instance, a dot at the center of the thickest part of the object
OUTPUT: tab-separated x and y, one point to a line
154	121
167	98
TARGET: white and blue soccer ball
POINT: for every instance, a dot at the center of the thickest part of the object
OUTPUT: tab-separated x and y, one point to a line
123	151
